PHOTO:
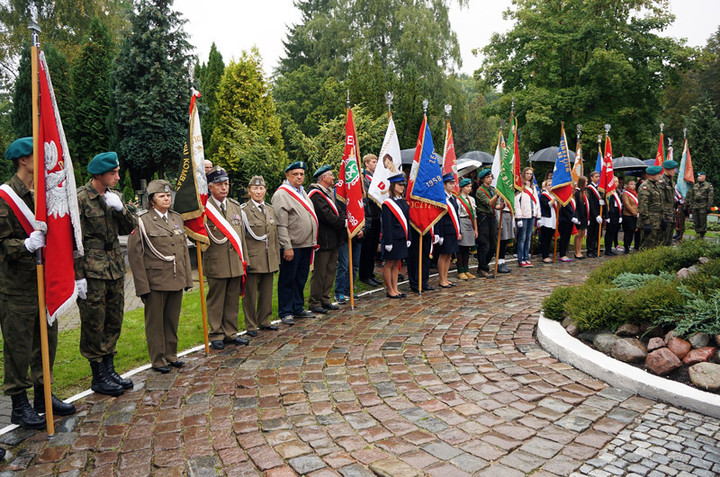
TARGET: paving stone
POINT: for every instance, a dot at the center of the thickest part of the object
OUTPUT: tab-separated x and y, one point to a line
391	467
441	450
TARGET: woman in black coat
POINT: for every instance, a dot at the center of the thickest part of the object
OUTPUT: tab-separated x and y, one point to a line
582	215
548	221
395	236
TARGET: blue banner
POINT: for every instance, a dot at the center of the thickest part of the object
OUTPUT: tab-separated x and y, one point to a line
426	173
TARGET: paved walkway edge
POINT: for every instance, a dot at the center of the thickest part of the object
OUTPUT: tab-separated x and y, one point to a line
556	341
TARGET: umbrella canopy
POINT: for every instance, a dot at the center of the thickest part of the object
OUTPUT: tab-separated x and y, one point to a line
628	163
481	156
649	162
549	154
407	156
466	166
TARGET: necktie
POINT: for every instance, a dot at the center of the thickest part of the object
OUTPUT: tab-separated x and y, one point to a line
165	218
262	209
222	208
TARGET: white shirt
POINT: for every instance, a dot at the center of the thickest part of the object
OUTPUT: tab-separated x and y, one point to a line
162	216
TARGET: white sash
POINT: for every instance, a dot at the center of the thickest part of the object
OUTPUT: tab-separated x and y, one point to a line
398	213
227	230
20	205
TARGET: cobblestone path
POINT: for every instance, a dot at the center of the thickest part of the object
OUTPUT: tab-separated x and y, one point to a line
449	384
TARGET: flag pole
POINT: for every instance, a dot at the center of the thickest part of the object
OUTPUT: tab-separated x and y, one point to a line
420	250
497	247
40	267
349	244
203	304
600	227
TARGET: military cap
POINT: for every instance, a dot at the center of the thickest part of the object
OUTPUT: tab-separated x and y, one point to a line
465	182
157	186
19	148
103	162
448	177
483	173
670	164
217	174
256	181
400	177
296	165
322	170
652	170
701	173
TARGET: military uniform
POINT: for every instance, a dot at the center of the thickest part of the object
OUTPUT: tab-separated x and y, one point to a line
263	252
487	227
667	185
699	199
160	263
650	210
224	271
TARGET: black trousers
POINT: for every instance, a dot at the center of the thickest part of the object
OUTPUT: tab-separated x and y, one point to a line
565	229
486	240
611	235
368	250
631	235
591	237
546	237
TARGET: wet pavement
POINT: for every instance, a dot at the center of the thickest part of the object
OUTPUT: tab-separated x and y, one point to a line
451	383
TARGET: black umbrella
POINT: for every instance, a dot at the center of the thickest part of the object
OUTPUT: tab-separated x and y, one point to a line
407	156
483	157
549	154
627	163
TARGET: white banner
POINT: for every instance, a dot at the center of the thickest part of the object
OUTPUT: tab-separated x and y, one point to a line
389	164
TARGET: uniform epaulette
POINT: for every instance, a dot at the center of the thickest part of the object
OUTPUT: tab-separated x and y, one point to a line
244	204
234	201
170	211
142	212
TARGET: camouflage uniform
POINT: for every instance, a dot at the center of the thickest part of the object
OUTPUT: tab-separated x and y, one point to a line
19	315
103	267
700	198
667	185
651	213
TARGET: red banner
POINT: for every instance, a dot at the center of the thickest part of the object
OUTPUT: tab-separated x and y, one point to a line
449	158
607	176
350	184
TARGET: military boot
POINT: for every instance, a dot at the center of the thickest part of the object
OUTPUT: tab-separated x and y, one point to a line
109	363
60	408
101	382
23	415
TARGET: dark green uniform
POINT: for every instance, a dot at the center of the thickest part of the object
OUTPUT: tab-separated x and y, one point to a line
700	198
103	267
650	210
668	208
487	228
19	315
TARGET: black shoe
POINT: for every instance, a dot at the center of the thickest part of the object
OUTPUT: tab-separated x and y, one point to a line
217	344
251	333
503	268
162	369
610	253
331	306
428	288
583	257
287	320
401	277
374	281
101	381
446	286
23	415
269	328
592	254
108	362
394	296
60	408
414	290
315	309
239	341
177	364
304	314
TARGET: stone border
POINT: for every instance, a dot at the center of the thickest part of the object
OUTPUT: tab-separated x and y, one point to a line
556	341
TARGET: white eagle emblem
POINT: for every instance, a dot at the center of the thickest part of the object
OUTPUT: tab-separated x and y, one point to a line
55	183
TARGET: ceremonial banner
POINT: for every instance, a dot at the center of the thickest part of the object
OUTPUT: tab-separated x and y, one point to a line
192	188
56	208
449	160
562	181
506	178
607	184
685	174
497	159
599	161
660	154
350	184
517	173
577	169
389	163
425	192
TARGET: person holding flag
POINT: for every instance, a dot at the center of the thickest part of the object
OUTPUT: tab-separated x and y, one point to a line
583	216
448	228
595	203
700	200
527	210
103	218
395	234
487	224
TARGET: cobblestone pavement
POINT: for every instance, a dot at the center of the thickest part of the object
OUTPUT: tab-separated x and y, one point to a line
452	383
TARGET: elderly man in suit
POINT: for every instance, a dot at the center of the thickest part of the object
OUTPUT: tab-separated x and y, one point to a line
263	250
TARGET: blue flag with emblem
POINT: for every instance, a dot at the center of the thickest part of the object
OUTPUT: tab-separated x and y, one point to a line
562	184
426	192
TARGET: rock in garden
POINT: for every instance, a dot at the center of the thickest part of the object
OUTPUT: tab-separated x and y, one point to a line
705	376
670	335
566	321
693	269
682	274
589	336
717	340
629	350
701	355
699	340
572	329
655	343
703	260
604	342
678	346
662	361
628	329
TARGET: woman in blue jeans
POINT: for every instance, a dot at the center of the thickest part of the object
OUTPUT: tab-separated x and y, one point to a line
527	210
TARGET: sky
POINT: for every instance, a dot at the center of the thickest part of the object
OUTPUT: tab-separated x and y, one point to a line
237	25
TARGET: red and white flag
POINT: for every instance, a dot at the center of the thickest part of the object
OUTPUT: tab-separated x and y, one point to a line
607	176
449	158
57	208
350	184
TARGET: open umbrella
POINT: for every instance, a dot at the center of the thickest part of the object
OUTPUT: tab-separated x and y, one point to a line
481	156
628	163
466	166
549	154
407	156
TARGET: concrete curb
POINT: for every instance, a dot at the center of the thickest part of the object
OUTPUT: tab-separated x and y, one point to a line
556	341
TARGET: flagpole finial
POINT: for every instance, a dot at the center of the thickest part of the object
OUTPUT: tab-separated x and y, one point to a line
347	100
389	96
425	106
562	124
607	129
579	128
448	110
35	29
502	123
530	154
670	142
599	138
662	126
512	106
684	133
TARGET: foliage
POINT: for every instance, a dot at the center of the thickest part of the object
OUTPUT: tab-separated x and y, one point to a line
706	280
650	301
697	314
209	75
636	280
704	132
586	61
151	91
22	97
553	305
597	307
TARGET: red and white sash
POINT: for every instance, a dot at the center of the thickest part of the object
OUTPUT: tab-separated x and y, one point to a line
531	194
632	196
293	193
398	213
23	213
328	199
453	216
587	207
595	191
616	199
227	230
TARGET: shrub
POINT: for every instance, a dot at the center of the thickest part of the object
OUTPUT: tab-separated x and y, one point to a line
706	280
553	305
597	307
651	301
697	314
636	280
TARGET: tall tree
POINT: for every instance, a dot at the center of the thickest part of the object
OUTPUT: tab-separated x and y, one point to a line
151	91
209	76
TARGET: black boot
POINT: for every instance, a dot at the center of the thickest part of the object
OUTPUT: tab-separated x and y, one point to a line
108	361
2	454
60	408
101	383
23	415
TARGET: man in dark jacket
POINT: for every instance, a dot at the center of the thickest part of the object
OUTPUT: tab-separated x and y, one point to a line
595	200
371	236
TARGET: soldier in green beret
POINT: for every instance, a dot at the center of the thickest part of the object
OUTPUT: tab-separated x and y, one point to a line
650	209
667	183
103	217
19	313
700	199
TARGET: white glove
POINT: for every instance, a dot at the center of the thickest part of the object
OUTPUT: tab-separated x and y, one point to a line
598	219
436	239
408	243
601	202
35	241
441	240
607	221
388	248
575	221
81	287
346	223
113	201
620	220
520	224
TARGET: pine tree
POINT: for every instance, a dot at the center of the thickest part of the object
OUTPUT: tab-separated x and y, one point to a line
209	75
22	97
152	91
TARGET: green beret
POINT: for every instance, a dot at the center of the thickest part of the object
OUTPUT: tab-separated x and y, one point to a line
484	172
102	163
701	173
157	186
321	171
465	182
652	170
19	148
296	165
670	164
